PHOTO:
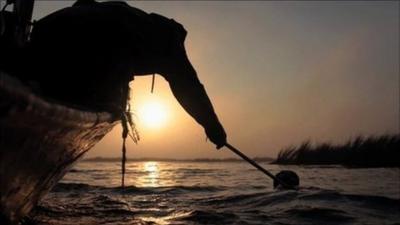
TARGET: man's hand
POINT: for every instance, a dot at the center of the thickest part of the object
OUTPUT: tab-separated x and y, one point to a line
217	135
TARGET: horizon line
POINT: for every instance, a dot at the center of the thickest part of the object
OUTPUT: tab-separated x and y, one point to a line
229	159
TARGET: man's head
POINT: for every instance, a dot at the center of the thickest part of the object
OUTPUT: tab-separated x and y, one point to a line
163	48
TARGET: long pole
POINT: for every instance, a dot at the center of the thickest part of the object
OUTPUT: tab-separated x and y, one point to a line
256	165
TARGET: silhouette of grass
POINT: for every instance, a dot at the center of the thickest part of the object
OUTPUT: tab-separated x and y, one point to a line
372	151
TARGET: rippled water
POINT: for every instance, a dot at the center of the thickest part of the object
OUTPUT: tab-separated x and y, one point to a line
220	193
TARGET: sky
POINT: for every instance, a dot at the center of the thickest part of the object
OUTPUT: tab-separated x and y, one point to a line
278	74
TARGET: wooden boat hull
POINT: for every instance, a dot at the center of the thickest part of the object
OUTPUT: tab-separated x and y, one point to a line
39	143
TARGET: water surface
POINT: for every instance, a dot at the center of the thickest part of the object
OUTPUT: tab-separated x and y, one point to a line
220	193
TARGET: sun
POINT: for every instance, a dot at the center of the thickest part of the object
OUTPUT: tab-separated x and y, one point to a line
152	114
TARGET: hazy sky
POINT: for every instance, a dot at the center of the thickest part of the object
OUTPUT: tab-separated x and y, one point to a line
278	73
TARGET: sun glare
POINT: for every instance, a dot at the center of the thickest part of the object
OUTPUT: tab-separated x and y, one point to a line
151	175
152	114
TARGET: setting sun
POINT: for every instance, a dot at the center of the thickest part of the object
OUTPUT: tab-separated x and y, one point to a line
152	114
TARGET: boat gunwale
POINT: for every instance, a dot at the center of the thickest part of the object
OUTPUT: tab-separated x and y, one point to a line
23	100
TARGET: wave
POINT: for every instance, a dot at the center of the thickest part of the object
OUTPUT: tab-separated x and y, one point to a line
319	213
69	187
216	205
85	171
211	217
192	171
304	193
170	189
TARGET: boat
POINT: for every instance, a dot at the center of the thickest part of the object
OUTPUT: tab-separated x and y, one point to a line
40	138
40	141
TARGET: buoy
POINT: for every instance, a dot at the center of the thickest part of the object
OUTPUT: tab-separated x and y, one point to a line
288	177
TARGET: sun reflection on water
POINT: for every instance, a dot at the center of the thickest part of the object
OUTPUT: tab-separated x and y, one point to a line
151	176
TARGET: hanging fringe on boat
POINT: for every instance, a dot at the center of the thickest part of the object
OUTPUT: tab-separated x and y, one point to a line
131	129
123	162
153	80
127	122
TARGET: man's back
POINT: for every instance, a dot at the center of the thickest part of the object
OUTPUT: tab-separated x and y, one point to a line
88	53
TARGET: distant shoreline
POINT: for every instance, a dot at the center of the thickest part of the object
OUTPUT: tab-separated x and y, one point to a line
360	152
117	159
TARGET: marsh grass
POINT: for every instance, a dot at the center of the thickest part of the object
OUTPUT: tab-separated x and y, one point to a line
372	151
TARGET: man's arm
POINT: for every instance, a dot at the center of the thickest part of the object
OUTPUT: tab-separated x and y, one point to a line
191	94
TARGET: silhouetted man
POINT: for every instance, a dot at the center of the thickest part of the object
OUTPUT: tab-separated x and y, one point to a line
86	55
